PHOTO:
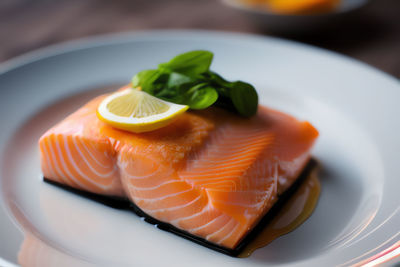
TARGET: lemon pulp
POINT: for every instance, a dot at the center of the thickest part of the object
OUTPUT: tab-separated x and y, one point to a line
137	111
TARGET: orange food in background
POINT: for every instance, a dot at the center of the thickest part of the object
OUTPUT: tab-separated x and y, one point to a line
297	6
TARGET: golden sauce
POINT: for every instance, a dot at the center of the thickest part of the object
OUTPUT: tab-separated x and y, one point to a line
293	213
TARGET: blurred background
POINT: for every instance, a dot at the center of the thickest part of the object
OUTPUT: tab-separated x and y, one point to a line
371	33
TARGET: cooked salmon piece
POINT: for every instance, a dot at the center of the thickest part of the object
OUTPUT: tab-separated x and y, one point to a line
210	173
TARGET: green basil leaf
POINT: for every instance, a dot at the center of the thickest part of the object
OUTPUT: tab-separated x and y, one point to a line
142	76
145	79
192	63
225	103
158	85
177	79
171	94
176	94
217	79
186	79
244	98
222	85
200	96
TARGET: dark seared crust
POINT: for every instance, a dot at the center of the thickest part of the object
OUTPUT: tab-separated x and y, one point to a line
125	204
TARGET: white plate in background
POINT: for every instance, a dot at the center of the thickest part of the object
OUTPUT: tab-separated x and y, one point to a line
296	23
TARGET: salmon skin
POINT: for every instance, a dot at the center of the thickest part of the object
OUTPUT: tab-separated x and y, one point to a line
210	173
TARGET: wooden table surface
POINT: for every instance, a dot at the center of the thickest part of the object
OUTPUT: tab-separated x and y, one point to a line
372	36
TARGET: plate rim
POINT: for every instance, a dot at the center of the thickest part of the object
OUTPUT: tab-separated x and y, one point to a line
120	37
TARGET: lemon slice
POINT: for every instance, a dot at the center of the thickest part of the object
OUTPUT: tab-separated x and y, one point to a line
137	111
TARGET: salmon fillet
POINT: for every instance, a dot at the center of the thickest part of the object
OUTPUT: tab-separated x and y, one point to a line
210	173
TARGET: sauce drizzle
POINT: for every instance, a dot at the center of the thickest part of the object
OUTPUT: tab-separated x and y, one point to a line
294	212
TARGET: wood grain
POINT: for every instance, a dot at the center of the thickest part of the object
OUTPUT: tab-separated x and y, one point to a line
372	36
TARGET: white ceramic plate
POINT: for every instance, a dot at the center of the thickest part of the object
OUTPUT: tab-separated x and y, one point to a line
354	106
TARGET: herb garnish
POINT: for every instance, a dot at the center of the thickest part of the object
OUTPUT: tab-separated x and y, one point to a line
187	79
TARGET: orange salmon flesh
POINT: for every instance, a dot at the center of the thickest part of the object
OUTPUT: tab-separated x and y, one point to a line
210	173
